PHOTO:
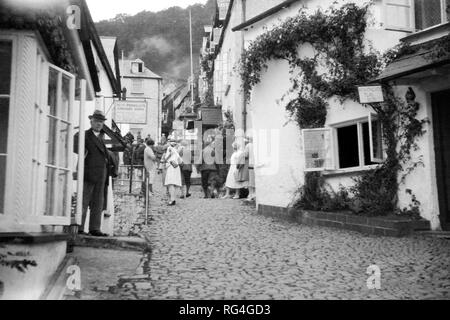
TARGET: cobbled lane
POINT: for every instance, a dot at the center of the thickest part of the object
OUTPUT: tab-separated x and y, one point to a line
222	249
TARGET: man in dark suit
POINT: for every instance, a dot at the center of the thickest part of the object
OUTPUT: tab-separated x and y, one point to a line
96	163
208	168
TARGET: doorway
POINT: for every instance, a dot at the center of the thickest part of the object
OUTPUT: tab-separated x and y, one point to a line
440	102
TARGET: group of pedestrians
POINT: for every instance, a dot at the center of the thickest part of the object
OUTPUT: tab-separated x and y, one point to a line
173	159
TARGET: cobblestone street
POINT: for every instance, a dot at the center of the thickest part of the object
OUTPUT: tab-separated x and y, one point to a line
221	249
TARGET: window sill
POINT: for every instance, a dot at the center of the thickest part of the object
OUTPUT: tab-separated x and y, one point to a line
428	34
330	173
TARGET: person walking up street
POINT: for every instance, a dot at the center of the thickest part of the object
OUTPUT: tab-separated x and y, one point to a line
173	175
160	151
250	163
138	162
150	164
235	179
186	168
208	167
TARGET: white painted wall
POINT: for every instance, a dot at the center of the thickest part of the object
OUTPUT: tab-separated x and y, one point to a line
232	45
266	113
153	97
279	174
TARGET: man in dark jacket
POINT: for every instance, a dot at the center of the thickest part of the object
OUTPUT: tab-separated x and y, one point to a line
96	162
208	168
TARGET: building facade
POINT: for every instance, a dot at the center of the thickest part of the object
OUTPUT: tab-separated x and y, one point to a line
282	154
143	86
46	73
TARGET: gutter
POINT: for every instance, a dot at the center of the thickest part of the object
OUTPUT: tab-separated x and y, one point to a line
100	50
264	15
224	28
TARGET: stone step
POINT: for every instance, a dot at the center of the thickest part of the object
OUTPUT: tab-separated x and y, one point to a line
125	243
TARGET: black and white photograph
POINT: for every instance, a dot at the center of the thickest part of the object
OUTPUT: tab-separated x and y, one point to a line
235	152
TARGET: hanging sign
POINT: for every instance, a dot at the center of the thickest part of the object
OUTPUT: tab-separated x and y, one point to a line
223	8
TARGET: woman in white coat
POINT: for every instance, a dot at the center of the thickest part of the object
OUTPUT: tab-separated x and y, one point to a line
232	183
173	174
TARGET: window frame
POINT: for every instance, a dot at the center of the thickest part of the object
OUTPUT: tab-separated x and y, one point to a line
33	220
358	122
332	158
54	218
39	215
373	157
444	16
412	18
133	86
10	143
412	14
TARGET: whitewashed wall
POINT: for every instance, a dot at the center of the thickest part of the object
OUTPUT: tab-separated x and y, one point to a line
153	95
277	189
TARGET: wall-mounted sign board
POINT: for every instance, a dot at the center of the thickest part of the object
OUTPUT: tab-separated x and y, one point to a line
370	94
130	112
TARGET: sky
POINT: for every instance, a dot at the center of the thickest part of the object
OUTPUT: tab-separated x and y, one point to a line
106	9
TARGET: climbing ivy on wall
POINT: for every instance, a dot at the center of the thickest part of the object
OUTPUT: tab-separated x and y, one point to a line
206	64
341	59
50	25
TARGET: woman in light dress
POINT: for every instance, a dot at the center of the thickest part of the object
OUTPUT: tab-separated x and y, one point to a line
231	183
173	175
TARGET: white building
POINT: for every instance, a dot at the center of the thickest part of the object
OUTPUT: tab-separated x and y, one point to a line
281	173
143	87
43	71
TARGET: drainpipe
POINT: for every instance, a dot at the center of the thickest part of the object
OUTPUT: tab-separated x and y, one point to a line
244	102
159	130
80	59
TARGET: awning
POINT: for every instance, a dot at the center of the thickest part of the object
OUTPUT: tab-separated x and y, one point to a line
417	65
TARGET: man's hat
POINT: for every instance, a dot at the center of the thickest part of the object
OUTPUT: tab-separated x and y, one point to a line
99	115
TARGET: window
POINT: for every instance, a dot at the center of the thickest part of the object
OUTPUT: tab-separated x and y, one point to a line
317	145
58	140
137	67
5	91
429	13
352	145
355	147
137	86
413	15
49	126
399	15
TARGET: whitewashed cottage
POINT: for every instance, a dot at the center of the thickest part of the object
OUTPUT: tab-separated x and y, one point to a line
350	145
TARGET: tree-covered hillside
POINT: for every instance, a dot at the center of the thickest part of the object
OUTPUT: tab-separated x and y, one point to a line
161	38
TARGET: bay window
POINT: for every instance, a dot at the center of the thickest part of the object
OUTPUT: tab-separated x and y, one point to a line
36	105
